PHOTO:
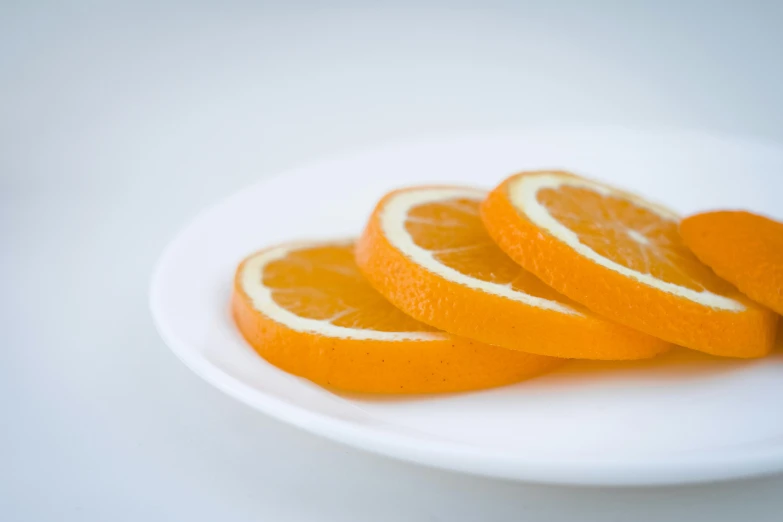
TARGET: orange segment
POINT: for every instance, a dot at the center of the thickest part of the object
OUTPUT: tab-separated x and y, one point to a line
426	250
306	309
743	248
622	257
630	235
323	283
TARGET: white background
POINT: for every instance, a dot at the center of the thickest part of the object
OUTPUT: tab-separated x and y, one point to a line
118	123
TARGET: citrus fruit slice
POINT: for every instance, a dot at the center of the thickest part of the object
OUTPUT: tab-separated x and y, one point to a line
743	248
426	250
306	309
623	258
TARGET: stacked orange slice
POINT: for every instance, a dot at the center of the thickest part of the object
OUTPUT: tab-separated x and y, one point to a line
622	257
306	309
743	248
426	250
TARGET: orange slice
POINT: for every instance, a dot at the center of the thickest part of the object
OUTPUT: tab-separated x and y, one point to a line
743	248
426	250
623	258
306	309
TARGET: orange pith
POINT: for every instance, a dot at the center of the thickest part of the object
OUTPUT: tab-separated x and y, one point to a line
743	248
641	274
478	291
307	310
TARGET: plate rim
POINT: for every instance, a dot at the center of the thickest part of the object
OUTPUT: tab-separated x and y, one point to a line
654	470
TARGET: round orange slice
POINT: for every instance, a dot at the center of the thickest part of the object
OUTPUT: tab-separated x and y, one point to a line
743	248
306	309
622	257
426	250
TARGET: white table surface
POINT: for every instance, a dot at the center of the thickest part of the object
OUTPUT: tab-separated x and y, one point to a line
118	124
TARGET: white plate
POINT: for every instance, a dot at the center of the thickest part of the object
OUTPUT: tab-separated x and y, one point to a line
682	418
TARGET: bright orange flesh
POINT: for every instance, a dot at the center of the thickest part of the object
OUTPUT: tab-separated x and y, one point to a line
322	282
617	228
743	248
612	226
452	230
779	339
